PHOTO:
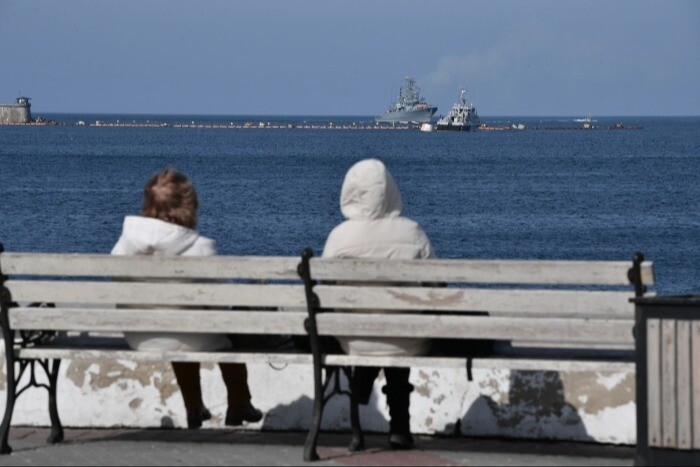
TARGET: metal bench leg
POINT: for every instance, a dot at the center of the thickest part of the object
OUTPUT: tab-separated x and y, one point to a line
9	337
313	305
56	435
9	403
358	441
310	453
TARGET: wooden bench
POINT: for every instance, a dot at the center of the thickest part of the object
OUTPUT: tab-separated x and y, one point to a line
85	289
550	315
544	315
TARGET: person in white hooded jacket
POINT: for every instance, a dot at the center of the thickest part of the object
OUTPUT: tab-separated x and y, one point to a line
166	227
374	228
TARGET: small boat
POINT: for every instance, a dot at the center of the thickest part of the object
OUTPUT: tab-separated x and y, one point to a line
462	117
588	119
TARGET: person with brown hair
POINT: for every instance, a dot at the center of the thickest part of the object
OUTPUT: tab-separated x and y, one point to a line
166	227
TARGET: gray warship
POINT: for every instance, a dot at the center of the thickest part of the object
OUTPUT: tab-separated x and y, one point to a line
462	117
409	107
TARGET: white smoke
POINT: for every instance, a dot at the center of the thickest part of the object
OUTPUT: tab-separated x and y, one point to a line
475	66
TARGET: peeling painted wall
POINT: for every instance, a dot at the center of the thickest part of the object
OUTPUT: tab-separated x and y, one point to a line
584	406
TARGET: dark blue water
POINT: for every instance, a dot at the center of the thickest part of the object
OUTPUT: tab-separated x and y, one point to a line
516	194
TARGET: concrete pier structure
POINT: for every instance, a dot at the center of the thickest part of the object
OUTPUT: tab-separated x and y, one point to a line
16	113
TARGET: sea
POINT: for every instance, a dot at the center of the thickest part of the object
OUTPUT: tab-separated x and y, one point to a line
530	194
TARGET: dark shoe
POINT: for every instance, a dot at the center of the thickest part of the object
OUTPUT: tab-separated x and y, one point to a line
235	416
401	441
195	419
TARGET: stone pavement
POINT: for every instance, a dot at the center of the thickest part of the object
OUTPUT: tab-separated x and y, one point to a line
227	447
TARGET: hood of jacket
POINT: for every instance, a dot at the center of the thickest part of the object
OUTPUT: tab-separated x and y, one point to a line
369	192
149	236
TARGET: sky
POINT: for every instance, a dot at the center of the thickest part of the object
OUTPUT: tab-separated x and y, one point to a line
326	57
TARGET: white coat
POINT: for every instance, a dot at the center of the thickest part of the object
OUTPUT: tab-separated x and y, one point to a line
149	236
371	203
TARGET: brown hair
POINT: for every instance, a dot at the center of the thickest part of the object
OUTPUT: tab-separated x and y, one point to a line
170	196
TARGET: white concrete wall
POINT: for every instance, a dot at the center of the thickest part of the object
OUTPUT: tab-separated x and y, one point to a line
568	406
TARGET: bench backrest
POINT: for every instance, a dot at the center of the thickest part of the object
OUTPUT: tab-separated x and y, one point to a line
154	293
533	303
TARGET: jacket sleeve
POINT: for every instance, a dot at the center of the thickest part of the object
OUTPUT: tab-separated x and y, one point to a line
427	251
202	247
330	249
121	247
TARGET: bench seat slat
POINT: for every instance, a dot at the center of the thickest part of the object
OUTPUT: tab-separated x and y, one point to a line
480	271
525	364
158	320
530	344
209	267
345	324
155	293
490	363
69	353
475	327
609	304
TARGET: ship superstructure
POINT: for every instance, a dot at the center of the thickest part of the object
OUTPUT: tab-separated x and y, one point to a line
462	117
410	106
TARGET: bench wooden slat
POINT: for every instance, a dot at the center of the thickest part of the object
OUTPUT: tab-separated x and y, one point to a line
158	320
695	368
140	356
474	327
653	382
153	293
684	404
610	304
346	324
261	267
480	271
525	364
668	383
570	345
178	267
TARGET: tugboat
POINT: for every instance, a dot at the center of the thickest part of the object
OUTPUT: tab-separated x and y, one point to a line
410	107
462	117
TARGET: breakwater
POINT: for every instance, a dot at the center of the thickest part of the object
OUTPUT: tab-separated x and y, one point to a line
235	126
317	126
585	127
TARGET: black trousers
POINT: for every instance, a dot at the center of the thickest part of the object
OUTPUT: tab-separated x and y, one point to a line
398	393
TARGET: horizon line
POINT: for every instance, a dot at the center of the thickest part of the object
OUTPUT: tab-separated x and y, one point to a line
364	116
